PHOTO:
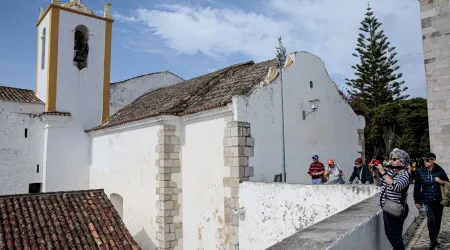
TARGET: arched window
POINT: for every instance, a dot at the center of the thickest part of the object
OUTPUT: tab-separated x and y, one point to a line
43	40
117	202
81	47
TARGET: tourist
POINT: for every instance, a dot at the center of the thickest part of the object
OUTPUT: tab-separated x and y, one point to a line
374	162
427	191
361	172
316	170
334	173
372	167
394	188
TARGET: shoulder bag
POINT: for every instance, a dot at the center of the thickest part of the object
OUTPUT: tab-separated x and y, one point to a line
391	207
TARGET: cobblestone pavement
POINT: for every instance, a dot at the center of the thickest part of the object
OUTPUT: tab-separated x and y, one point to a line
420	240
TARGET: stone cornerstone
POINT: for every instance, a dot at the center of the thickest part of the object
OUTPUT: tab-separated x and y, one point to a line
168	189
238	147
436	49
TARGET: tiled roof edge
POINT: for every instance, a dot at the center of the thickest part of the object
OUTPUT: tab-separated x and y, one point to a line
53	193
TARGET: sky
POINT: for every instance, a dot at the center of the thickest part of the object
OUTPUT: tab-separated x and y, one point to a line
194	37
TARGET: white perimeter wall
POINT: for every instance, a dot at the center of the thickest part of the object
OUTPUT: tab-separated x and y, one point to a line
19	156
125	92
274	211
202	166
124	163
330	132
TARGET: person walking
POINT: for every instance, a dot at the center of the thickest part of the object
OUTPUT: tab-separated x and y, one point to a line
394	188
316	170
427	192
362	172
334	173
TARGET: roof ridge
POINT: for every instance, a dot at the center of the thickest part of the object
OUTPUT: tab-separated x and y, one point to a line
148	74
52	193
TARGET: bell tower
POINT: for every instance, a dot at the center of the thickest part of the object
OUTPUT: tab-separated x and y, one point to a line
72	78
73	60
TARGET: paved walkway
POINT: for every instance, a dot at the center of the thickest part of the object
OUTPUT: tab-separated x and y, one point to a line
420	240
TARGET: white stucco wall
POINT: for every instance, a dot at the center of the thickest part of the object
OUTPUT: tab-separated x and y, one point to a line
41	91
19	156
66	156
329	132
124	163
274	211
81	92
202	165
125	92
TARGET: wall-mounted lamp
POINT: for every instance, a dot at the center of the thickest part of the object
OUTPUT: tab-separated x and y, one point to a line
314	107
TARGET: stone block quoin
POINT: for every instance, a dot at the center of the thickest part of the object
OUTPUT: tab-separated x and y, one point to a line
238	146
168	188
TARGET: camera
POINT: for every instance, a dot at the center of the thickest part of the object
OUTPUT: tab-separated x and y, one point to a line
374	167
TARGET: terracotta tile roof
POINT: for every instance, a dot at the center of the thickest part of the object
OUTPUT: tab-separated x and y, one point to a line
18	95
205	92
62	220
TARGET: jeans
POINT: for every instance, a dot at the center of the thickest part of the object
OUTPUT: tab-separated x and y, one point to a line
317	181
434	216
393	227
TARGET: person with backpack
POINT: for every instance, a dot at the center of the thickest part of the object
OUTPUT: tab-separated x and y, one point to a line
394	191
427	192
334	173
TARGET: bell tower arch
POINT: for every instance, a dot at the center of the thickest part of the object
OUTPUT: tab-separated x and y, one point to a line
72	78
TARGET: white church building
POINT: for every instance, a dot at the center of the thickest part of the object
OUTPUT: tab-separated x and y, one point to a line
170	153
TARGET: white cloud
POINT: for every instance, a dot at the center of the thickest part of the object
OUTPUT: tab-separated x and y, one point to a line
326	28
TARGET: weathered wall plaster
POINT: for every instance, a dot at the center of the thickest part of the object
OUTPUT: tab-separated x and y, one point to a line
274	211
356	226
125	92
436	50
332	131
202	164
124	163
19	156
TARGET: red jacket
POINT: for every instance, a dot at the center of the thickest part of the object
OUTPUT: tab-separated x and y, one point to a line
316	167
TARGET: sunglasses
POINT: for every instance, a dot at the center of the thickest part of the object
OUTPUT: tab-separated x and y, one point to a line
427	160
394	159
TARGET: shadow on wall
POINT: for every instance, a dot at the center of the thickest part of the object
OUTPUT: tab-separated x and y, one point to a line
144	240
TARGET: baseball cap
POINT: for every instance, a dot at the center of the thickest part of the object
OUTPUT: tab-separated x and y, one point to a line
315	156
374	157
429	155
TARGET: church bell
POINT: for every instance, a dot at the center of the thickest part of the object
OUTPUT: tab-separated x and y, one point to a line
79	56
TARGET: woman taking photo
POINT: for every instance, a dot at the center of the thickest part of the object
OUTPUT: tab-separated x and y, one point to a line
394	187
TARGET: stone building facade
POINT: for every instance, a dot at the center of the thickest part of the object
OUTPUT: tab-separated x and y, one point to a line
435	16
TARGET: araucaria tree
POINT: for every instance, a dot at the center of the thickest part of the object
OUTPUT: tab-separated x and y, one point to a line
377	81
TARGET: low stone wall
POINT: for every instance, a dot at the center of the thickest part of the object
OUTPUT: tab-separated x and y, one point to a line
271	212
356	226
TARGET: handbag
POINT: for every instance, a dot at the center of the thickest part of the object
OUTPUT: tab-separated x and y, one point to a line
342	178
393	208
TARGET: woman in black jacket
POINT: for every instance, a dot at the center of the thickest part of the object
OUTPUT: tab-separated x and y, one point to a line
427	191
361	172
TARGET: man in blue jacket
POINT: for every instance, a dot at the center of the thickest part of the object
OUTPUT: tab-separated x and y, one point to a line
427	191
